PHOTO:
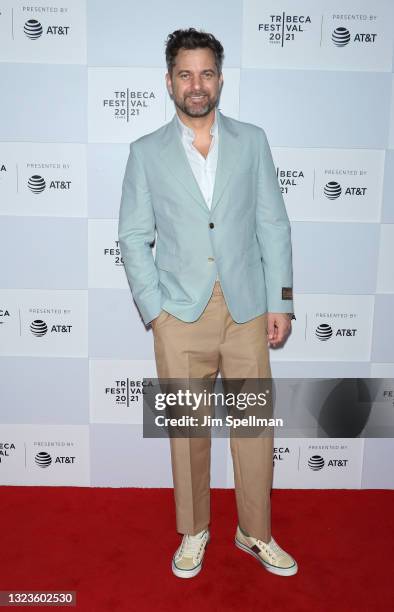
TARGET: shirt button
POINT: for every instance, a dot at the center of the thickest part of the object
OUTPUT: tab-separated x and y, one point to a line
211	225
211	259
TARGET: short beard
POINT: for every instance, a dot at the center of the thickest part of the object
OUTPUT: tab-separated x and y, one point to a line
203	112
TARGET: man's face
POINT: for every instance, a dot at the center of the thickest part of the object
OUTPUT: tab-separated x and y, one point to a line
195	84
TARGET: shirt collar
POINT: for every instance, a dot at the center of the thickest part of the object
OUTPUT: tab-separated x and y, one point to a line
189	133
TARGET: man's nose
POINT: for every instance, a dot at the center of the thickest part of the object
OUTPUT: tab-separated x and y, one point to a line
196	83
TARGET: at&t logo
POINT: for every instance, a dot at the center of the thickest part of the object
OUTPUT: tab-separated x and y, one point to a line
39	328
317	463
341	37
34	30
44	459
324	332
37	184
333	190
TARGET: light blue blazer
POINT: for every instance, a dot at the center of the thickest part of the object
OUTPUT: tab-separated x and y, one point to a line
244	237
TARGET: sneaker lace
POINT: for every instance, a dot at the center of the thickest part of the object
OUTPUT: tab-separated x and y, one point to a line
191	546
272	548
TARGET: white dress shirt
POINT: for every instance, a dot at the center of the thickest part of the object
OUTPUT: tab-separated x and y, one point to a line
204	169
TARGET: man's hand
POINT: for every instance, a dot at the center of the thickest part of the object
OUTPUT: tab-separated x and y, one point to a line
278	328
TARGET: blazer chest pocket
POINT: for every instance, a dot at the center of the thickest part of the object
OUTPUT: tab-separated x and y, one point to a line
167	261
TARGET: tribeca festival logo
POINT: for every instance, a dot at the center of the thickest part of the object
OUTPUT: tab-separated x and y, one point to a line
126	104
289	178
127	391
4	316
33	29
37	184
6	449
43	459
280	453
326	331
281	29
115	253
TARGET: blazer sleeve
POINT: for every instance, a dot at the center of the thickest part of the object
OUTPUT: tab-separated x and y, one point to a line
136	230
273	233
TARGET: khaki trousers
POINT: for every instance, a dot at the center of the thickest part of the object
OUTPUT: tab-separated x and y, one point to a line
199	350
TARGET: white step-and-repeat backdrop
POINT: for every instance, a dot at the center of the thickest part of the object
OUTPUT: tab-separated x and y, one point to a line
80	80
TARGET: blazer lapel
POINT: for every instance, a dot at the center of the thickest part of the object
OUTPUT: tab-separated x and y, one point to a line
174	157
228	155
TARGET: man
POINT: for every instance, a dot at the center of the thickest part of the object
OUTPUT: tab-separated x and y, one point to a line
220	289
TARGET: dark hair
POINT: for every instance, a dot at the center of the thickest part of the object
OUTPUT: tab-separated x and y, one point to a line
192	39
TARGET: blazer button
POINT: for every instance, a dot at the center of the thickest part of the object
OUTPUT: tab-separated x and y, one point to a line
211	225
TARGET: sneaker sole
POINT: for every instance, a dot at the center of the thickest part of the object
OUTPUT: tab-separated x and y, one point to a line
180	573
279	571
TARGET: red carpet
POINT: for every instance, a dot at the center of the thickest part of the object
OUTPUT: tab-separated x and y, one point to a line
113	546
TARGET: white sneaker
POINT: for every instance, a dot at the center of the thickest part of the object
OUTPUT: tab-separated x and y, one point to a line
187	560
270	554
